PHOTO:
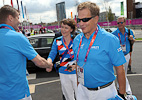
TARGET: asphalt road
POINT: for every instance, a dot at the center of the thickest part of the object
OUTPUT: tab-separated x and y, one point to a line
46	86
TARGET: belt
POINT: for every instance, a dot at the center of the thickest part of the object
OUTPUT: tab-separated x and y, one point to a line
100	87
126	54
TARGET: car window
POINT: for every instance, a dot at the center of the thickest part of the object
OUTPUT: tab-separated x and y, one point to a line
34	42
45	42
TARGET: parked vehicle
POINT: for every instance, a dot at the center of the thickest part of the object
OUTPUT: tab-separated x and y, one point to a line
110	29
42	44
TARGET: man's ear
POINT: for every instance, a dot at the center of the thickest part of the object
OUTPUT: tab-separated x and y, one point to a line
97	18
10	18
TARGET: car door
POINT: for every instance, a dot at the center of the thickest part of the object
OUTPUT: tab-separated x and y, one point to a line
44	48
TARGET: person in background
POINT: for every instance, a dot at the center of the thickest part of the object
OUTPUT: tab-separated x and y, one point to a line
42	30
15	51
27	33
96	52
63	45
32	31
23	32
122	34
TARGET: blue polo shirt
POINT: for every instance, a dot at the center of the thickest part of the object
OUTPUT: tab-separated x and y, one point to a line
122	37
104	54
14	49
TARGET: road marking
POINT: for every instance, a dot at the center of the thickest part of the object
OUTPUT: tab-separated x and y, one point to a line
134	74
31	76
47	82
32	88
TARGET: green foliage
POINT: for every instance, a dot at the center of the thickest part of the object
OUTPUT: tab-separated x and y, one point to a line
110	15
138	38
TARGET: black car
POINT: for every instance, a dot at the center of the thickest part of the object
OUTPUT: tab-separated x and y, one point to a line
110	29
42	44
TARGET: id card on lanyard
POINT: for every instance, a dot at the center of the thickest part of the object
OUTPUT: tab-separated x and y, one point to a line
123	46
80	74
80	69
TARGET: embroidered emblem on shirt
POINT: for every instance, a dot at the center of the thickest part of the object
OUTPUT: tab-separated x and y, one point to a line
82	45
95	47
119	49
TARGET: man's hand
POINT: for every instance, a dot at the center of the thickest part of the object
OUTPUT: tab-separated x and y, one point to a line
131	37
49	65
71	67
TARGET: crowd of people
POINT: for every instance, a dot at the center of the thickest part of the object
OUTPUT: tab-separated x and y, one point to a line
31	32
85	63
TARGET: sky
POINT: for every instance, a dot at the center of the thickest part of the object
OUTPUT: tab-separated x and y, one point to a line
45	10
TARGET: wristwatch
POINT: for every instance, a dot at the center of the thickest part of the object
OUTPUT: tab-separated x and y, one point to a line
122	95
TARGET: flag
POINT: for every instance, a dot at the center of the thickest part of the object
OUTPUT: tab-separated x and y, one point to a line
22	9
3	2
25	12
11	3
18	4
122	8
71	16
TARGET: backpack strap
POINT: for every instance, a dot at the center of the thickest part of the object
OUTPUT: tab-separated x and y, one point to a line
131	44
128	32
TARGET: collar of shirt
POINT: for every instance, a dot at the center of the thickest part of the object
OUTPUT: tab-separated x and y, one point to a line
118	31
93	33
7	26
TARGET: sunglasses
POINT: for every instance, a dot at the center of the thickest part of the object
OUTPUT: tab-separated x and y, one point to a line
84	19
120	22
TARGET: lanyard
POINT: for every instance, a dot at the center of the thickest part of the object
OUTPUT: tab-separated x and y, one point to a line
120	38
5	27
68	47
91	43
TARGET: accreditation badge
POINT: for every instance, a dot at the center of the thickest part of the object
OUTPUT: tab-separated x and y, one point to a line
80	75
123	48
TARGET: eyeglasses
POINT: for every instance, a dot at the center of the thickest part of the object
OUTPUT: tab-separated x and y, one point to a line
84	19
120	22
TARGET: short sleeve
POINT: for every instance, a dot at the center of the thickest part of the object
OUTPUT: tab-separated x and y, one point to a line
115	53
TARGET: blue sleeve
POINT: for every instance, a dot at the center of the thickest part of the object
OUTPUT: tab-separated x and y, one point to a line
76	42
115	53
53	51
74	50
115	33
25	47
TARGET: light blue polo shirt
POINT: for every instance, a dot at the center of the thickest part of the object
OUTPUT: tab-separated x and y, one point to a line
14	49
104	54
122	37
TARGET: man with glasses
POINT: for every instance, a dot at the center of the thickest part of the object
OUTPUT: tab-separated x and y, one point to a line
125	39
96	52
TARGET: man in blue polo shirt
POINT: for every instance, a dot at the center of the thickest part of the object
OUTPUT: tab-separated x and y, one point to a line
125	39
14	49
96	52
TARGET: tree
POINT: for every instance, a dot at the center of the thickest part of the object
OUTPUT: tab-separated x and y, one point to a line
110	15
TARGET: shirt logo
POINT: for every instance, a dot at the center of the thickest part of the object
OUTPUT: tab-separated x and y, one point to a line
82	46
119	49
95	47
